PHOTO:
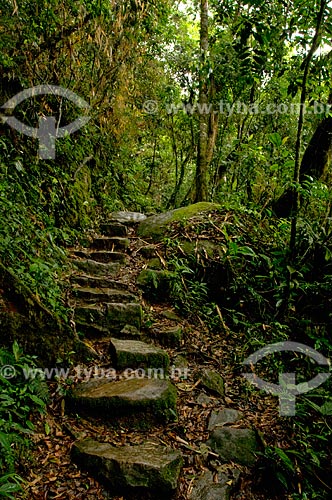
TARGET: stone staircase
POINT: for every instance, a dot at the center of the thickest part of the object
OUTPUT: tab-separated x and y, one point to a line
139	392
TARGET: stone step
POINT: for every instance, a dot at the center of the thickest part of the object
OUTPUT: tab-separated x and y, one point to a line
129	469
127	217
142	400
111	244
103	256
97	282
103	295
113	229
97	268
112	316
137	354
96	332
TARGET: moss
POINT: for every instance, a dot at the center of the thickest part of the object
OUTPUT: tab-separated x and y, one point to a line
78	200
124	399
156	226
36	329
156	284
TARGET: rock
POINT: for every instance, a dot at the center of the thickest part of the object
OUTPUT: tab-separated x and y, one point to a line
180	362
92	331
98	295
203	399
155	284
226	416
150	467
155	227
212	381
127	217
114	316
119	315
170	337
113	229
155	264
130	331
148	251
142	399
206	489
97	268
106	256
114	243
97	282
137	354
171	315
235	445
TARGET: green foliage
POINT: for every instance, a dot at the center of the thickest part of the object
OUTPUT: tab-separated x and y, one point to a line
21	396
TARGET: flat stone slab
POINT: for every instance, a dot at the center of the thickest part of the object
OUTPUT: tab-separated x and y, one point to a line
97	282
113	229
103	256
113	243
226	416
128	217
97	268
150	467
103	295
137	354
112	316
142	399
235	445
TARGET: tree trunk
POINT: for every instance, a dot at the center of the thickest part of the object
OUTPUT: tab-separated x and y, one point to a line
202	157
318	154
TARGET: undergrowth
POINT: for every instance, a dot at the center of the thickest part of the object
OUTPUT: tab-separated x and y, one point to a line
20	398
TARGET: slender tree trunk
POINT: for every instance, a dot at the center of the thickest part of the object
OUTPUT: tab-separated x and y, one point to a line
202	158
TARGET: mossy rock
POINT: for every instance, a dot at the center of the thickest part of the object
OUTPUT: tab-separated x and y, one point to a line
170	337
210	379
145	400
235	445
156	227
145	468
156	284
137	354
78	206
38	331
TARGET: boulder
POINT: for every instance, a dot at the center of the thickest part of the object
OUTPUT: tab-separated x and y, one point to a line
235	445
130	469
155	227
127	217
